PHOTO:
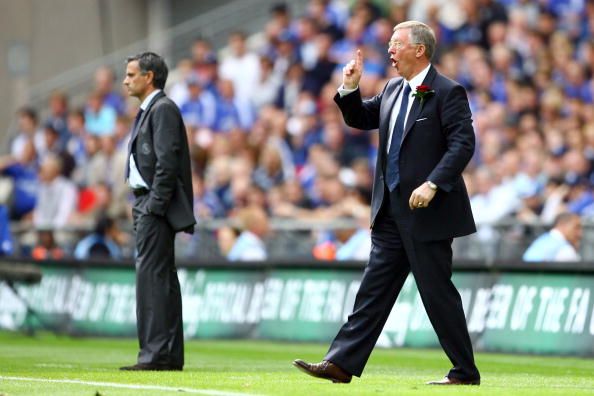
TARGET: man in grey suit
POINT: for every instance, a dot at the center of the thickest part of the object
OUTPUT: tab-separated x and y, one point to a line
159	173
419	204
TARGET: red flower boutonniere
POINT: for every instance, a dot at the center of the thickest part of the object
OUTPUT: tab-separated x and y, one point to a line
422	92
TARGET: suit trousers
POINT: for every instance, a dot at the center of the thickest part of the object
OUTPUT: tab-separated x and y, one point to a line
394	253
158	297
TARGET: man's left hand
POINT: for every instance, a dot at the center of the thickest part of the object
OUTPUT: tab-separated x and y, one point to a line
421	197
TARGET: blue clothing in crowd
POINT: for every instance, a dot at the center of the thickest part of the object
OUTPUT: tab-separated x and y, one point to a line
95	245
6	245
248	247
551	246
25	188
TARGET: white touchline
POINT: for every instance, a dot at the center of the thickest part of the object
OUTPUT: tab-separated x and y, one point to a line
128	386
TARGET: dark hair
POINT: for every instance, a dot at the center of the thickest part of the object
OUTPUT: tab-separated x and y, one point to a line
149	61
279	8
49	127
104	223
78	112
28	112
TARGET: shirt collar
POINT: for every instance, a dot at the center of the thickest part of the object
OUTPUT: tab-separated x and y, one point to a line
145	103
557	234
418	79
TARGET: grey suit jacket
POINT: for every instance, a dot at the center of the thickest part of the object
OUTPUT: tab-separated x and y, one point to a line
160	148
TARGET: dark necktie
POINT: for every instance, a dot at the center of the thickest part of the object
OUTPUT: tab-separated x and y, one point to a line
136	120
392	170
134	127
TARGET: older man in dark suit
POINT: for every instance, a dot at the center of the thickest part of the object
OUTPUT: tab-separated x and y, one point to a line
419	204
159	173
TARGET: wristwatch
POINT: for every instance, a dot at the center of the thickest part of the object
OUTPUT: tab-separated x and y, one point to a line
432	185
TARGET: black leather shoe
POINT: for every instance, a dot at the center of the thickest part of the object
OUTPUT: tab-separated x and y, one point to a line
455	381
151	367
324	369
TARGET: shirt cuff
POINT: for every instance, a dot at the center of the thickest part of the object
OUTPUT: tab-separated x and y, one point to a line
342	91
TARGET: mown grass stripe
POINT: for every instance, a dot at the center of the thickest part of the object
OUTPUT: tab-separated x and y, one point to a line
210	392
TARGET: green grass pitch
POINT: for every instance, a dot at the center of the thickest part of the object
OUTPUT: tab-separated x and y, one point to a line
50	365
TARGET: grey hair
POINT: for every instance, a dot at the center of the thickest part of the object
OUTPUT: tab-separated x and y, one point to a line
420	33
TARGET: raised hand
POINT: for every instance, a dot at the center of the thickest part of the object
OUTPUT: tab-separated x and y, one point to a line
351	72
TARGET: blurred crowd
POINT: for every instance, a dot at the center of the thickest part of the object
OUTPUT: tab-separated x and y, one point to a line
268	142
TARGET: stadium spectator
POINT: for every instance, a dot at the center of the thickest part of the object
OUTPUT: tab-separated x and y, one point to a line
200	108
75	145
233	112
305	36
561	243
270	171
122	132
22	172
99	117
108	167
177	87
343	49
203	62
27	129
104	86
54	146
58	118
202	52
240	66
6	244
267	87
249	245
57	196
355	244
289	91
580	198
226	238
218	181
97	201
349	243
206	203
104	242
330	16
322	65
280	20
46	247
81	173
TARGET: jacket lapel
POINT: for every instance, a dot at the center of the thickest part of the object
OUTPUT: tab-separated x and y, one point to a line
142	118
416	106
385	116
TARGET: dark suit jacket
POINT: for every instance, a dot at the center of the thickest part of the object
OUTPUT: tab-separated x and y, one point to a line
437	145
160	148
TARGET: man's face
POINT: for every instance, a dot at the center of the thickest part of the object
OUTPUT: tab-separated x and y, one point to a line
26	123
237	44
103	80
137	83
573	232
403	53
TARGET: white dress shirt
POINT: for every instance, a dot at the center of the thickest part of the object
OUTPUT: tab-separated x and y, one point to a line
135	179
414	82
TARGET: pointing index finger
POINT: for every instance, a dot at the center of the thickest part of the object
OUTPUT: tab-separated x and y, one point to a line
359	59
